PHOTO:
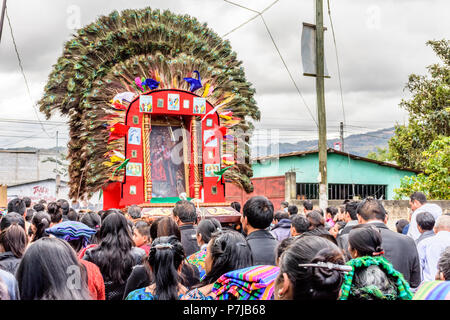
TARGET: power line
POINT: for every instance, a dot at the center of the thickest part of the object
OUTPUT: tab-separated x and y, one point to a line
23	72
278	51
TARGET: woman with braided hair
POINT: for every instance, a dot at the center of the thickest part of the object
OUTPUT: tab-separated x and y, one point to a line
166	261
372	276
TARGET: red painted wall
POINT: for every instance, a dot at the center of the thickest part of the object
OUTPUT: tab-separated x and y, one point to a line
270	187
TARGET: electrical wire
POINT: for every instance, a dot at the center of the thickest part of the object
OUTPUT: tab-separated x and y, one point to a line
23	72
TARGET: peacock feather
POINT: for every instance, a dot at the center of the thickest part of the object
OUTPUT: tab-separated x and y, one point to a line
105	57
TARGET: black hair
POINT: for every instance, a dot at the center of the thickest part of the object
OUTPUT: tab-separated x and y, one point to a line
444	263
332	210
351	208
143	228
425	221
154	228
106	213
259	212
41	220
316	220
283	245
17	205
29	214
168	227
370	209
55	212
135	212
42	201
366	240
64	205
165	257
281	215
46	272
14	239
236	206
229	251
72	215
419	196
39	207
27	201
311	283
341	224
113	254
186	211
300	223
12	218
308	205
401	224
93	221
285	204
293	209
207	227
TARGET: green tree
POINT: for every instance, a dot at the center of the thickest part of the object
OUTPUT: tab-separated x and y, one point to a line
382	154
429	111
435	181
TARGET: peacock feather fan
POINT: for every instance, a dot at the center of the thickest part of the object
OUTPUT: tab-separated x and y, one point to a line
104	58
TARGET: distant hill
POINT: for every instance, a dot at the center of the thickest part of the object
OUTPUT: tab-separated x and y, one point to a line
358	144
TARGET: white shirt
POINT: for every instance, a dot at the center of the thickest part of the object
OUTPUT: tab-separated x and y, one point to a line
430	250
432	208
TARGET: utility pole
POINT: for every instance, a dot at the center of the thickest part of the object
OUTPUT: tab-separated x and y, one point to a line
2	19
321	113
341	133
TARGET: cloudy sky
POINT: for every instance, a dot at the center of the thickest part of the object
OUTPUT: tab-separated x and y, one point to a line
379	44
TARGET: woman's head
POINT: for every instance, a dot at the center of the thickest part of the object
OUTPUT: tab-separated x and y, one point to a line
206	228
296	282
227	251
14	239
168	227
50	270
93	221
11	218
165	260
364	241
40	222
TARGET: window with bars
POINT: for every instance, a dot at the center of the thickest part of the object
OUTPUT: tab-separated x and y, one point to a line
338	191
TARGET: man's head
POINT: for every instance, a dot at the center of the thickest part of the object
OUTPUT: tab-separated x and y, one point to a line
72	215
55	212
134	212
284	205
425	222
64	205
257	214
27	202
350	211
17	205
11	218
307	206
442	224
331	213
236	206
280	215
444	265
184	213
39	207
416	200
300	224
401	224
371	209
316	220
293	210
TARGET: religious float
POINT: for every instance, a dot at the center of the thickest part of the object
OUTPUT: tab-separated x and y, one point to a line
158	109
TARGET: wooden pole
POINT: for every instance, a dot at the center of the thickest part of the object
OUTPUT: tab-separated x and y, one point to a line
320	88
2	19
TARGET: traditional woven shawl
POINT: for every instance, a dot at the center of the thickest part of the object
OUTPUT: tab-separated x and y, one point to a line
433	290
72	230
198	259
253	283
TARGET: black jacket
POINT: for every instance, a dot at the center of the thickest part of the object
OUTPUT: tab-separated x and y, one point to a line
263	246
114	290
189	239
399	249
9	262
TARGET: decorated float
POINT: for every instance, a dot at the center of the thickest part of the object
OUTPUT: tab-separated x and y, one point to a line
158	109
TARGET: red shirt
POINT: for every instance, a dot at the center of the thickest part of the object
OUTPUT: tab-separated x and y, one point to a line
95	280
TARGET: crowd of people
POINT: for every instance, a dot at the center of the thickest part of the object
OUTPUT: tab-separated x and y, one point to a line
54	251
